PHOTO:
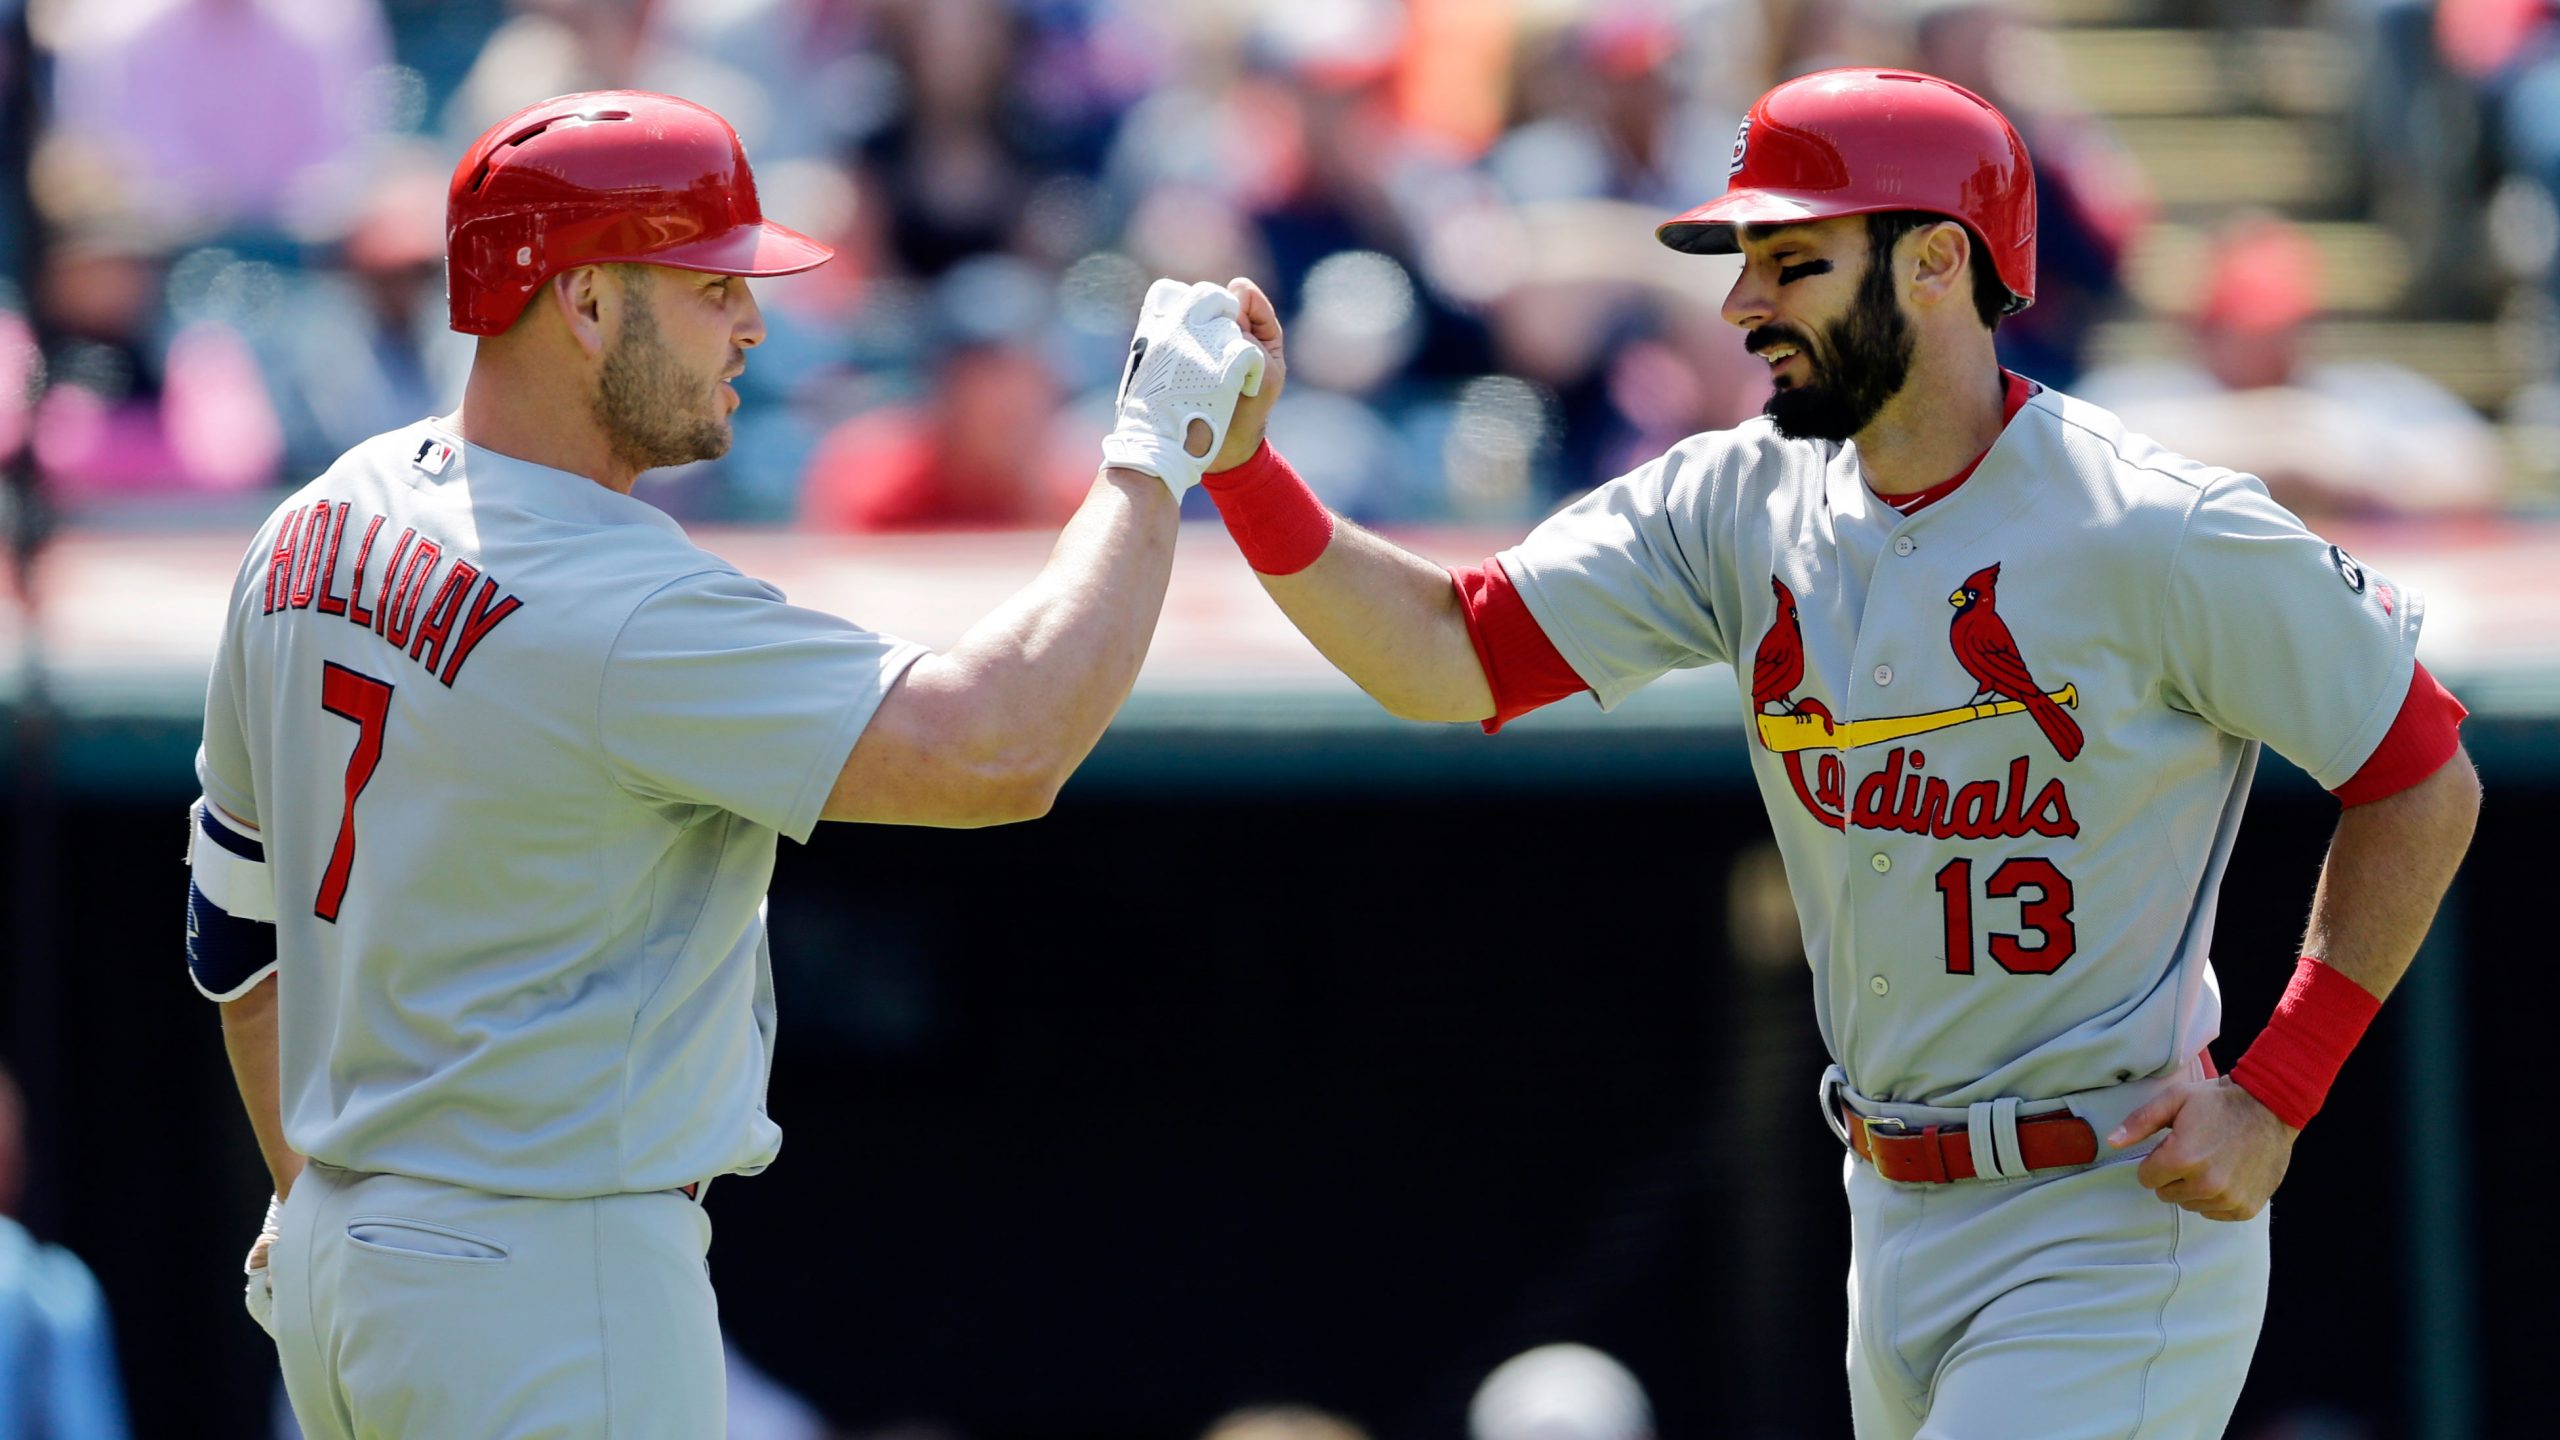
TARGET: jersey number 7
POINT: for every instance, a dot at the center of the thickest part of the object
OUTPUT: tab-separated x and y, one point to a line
367	702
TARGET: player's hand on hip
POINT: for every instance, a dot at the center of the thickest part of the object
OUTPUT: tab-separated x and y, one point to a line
2225	1154
260	1293
1187	365
1260	320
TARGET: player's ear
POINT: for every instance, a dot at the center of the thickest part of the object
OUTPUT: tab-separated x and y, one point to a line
586	300
1937	260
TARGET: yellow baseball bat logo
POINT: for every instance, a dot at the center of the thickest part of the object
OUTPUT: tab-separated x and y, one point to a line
1786	734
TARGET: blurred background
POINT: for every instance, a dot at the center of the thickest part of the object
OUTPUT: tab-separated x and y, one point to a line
1306	1075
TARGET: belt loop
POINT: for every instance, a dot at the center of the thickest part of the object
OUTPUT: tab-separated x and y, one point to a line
1983	1138
1834	1081
1991	1126
2004	1137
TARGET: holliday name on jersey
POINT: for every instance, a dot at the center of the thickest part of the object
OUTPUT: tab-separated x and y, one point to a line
302	574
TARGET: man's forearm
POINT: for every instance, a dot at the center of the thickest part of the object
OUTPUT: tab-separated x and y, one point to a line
249	1035
2389	865
1391	621
1056	660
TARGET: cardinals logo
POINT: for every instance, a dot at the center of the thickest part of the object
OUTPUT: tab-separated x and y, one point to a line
1989	654
1903	797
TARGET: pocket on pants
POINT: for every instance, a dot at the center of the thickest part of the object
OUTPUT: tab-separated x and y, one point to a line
404	1238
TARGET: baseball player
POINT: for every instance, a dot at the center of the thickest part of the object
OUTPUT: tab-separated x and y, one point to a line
2010	670
494	762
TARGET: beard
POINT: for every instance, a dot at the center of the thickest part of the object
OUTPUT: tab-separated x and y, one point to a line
1863	360
651	410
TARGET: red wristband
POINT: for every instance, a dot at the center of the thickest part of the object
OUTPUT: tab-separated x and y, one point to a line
2291	1066
1278	522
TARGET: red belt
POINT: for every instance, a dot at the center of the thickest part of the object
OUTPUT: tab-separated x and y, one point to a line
1936	1154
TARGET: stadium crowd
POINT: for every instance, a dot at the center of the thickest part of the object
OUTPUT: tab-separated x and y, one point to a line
229	239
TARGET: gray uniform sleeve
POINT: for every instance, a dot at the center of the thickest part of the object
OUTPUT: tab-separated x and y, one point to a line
1619	580
222	761
719	692
2274	634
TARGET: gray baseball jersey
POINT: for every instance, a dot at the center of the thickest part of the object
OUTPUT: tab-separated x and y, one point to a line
2005	741
519	752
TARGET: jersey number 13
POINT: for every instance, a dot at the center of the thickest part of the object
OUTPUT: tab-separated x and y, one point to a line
2048	915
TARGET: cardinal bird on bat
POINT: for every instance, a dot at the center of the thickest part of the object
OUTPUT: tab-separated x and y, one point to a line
1777	668
1988	653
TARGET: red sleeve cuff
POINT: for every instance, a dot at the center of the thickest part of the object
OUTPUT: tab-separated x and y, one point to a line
1279	524
2421	740
1521	665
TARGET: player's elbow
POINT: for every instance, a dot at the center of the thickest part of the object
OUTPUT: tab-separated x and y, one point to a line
1443	704
2457	787
1010	793
947	792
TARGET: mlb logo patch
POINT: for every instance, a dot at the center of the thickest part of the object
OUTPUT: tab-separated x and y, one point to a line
433	456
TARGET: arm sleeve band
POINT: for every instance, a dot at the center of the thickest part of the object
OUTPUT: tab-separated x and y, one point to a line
1277	521
2296	1058
231	907
2421	739
1521	665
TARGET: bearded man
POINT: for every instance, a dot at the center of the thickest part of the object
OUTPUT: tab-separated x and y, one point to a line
2012	668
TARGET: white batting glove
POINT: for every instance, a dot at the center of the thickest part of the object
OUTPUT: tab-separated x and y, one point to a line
260	1295
1189	361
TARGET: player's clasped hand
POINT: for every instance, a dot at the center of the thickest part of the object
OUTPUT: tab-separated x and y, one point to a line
260	1294
2225	1155
1187	365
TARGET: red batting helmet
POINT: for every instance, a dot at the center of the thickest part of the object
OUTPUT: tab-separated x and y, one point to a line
592	179
1855	142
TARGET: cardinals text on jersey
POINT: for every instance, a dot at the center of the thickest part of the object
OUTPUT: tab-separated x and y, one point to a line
1900	795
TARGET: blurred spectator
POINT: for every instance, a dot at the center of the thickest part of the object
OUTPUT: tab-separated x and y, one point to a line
136	405
980	451
2417	134
363	346
545	48
438	40
18	121
2330	438
1355	332
1283	1422
804	78
218	114
1823	34
57	1356
961	156
2510	51
2091	199
984	447
1560	1392
1618	105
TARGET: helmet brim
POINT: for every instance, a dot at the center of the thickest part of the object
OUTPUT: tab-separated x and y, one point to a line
1708	229
763	248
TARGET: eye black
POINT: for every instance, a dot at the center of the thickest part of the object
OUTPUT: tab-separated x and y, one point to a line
1790	274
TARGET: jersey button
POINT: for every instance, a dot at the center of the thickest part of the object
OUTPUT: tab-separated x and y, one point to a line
1904	545
1884	674
1878	984
1881	861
